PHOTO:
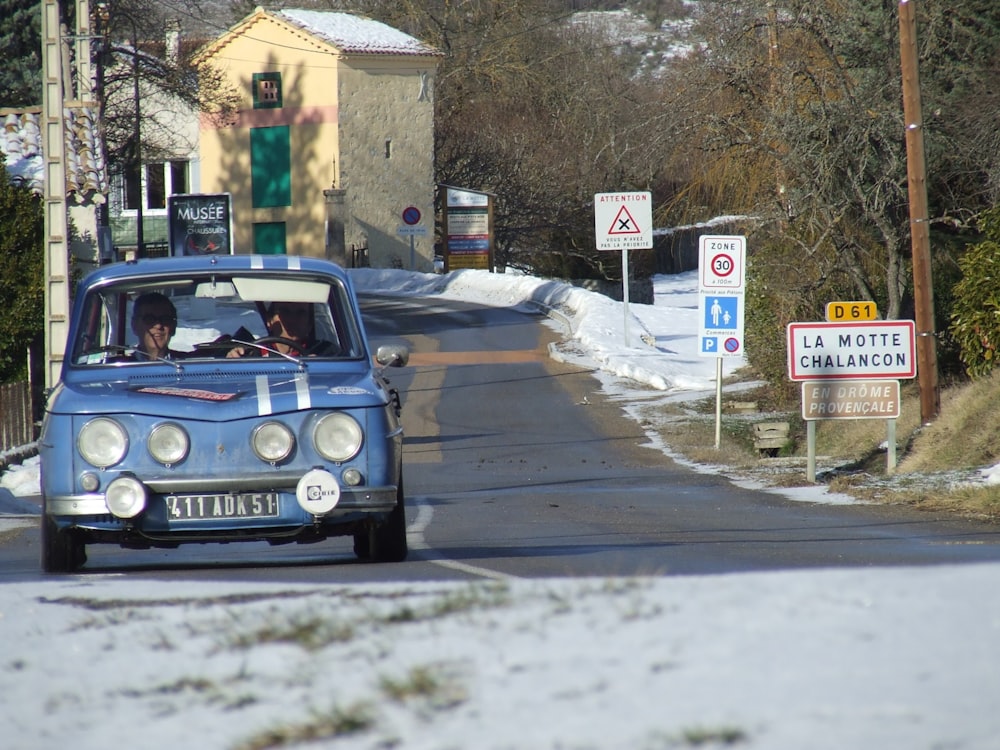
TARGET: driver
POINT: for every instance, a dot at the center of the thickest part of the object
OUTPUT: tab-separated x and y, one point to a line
154	322
291	321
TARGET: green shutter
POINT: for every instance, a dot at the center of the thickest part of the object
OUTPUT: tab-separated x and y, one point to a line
271	166
269	238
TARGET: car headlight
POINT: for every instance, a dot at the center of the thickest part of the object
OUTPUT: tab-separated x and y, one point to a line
102	442
168	443
272	442
338	437
125	496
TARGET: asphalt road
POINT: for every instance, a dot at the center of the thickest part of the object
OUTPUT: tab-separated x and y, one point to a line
515	465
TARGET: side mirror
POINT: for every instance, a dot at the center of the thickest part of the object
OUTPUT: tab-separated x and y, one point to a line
392	355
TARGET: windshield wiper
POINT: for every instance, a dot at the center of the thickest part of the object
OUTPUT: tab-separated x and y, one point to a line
131	351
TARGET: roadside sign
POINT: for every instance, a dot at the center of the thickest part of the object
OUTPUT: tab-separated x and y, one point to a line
843	312
721	325
467	226
623	221
411	228
856	399
411	215
836	351
200	224
721	261
722	277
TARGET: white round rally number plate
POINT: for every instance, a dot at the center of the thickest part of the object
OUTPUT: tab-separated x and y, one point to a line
318	492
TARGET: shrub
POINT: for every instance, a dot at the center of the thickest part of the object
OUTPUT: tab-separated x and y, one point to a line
22	288
975	314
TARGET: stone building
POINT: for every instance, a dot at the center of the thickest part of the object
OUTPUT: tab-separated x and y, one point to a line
333	141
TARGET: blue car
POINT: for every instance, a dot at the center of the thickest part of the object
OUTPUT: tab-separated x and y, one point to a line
185	413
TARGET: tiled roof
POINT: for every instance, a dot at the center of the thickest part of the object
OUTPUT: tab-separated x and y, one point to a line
86	172
356	34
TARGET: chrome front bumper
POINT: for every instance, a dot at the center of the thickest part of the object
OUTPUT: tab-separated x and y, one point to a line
352	499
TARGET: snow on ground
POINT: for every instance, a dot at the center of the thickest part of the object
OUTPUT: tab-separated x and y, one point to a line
857	658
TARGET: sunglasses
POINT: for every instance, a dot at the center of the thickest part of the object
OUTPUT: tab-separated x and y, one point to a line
164	320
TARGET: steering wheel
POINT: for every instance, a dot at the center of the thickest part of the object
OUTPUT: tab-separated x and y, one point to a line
295	345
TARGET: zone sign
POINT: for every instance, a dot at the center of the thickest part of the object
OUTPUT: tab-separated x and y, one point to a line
722	261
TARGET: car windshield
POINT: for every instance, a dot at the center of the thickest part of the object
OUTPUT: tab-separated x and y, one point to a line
148	319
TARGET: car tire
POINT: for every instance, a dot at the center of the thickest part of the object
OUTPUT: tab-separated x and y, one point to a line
62	552
387	541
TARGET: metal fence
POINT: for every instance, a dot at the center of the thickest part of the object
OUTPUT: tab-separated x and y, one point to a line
17	425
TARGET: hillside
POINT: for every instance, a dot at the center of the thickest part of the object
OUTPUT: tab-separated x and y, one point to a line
943	466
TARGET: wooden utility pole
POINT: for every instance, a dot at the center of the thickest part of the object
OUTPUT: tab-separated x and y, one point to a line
923	287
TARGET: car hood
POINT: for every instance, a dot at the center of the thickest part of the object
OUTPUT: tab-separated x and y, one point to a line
219	396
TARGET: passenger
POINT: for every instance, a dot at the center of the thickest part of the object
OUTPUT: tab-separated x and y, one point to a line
292	321
154	322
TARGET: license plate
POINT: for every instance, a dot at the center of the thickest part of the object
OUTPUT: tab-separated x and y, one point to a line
218	507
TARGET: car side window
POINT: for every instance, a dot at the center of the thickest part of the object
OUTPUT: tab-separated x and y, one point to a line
100	331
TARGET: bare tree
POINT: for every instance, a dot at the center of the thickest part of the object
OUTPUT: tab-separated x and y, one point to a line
543	113
808	94
133	57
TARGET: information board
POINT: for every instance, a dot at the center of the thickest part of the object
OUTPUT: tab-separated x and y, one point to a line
200	224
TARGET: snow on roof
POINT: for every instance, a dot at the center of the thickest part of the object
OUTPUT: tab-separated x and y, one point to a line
21	142
356	34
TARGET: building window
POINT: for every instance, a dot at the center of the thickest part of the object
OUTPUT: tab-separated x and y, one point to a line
159	180
266	90
156	186
271	166
132	190
179	180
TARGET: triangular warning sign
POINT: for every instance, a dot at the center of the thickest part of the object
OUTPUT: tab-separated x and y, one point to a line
624	223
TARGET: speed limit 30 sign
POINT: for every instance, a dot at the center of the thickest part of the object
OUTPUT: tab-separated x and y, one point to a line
721	262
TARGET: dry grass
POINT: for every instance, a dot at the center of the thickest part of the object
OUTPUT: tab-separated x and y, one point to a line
937	465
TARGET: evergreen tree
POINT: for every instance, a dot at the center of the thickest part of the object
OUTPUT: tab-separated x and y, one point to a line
21	269
21	45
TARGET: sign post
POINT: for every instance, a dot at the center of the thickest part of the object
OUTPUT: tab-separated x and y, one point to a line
623	221
411	228
468	229
851	370
721	288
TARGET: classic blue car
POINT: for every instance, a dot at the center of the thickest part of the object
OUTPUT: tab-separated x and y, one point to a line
228	432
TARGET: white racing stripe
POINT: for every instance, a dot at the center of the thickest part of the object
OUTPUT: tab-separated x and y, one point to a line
263	396
302	392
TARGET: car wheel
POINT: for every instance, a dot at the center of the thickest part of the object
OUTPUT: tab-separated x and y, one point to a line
387	541
62	552
362	544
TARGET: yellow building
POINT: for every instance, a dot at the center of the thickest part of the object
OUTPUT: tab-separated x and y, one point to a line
334	139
